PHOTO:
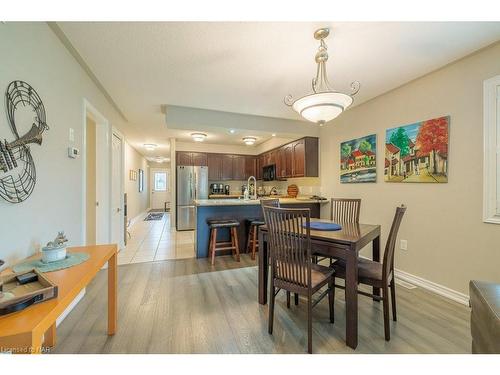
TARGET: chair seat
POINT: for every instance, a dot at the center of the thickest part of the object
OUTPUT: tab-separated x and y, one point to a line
319	275
255	221
367	269
223	223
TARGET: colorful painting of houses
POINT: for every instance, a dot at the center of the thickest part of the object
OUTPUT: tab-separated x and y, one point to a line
418	152
358	160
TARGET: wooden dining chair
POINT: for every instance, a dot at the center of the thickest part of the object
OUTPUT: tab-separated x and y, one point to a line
343	210
292	268
378	275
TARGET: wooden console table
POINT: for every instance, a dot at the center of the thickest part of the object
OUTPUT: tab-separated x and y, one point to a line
24	331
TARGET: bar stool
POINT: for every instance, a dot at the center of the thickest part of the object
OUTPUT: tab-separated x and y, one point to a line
252	241
214	246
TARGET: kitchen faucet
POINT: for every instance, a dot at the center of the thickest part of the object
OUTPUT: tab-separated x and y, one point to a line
254	186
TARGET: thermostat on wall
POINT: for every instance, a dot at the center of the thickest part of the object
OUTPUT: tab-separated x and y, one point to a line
73	152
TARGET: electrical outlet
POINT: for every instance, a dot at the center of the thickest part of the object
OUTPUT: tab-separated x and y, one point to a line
403	244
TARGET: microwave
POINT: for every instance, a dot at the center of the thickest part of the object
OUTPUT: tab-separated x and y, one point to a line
269	172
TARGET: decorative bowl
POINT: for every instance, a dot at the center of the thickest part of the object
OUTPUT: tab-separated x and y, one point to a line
53	254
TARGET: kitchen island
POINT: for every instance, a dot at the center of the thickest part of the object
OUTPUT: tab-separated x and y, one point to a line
240	210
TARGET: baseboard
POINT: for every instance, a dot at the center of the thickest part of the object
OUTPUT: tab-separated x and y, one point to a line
431	286
71	306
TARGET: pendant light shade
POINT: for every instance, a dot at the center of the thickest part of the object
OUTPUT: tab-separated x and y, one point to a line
324	104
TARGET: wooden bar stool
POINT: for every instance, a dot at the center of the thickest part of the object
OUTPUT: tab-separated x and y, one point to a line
252	240
232	245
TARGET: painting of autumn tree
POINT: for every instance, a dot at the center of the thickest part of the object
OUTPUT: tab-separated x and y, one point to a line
418	152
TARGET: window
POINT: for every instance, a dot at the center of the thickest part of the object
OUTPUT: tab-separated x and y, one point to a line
491	195
161	182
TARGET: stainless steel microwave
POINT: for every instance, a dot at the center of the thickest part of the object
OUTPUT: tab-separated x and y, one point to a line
269	172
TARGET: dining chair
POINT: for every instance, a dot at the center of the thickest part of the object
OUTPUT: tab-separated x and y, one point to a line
292	268
379	275
342	210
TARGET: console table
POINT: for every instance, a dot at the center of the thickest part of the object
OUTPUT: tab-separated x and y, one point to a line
34	329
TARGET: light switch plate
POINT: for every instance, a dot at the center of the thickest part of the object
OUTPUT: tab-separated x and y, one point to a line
71	134
403	244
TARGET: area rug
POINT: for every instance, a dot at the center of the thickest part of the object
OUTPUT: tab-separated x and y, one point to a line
154	216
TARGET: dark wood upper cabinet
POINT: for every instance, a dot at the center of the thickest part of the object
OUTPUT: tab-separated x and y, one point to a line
187	158
227	167
214	162
299	158
199	159
251	166
183	158
239	164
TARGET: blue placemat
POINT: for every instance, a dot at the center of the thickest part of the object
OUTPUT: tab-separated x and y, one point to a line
321	225
71	260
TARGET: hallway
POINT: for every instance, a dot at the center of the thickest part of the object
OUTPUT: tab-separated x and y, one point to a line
156	240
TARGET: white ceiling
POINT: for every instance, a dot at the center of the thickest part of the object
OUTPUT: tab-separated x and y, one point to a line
249	67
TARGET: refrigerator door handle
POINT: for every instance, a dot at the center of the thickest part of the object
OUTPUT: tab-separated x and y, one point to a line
195	187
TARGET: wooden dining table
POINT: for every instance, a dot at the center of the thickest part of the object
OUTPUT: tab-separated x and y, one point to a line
346	244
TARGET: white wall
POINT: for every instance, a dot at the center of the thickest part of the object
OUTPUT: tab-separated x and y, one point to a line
448	243
33	53
137	202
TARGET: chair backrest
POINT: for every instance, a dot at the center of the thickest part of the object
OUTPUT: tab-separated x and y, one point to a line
270	202
289	244
345	210
388	262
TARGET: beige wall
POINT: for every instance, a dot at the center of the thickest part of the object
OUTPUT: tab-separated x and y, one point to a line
137	202
447	241
37	56
91	183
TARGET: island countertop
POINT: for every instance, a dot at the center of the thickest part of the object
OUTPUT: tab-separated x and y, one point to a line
252	202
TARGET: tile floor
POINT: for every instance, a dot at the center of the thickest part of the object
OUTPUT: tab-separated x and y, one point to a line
155	241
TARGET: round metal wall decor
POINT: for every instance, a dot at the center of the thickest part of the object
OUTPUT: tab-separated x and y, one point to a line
17	168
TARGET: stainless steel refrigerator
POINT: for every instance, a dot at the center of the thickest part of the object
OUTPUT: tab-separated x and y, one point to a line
192	183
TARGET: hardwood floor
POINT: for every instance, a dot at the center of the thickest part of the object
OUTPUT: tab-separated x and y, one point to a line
186	306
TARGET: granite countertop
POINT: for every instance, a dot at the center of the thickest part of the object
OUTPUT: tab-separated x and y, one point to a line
249	202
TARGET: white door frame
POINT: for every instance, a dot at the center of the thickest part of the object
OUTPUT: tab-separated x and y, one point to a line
152	171
121	243
103	235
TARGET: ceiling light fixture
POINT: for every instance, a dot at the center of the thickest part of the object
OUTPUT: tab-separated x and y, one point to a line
249	140
325	103
273	135
198	137
150	146
232	131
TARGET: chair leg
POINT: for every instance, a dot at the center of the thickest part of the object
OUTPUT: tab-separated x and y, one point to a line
393	300
296	299
236	243
309	323
287	299
214	242
385	296
254	241
331	299
271	308
248	244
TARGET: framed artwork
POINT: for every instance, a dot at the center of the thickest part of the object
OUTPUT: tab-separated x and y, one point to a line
418	152
132	175
141	180
358	160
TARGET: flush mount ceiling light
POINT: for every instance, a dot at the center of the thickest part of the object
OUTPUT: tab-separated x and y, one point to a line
150	146
198	137
249	140
232	131
325	103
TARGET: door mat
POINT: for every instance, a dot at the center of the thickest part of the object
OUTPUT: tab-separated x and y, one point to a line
154	216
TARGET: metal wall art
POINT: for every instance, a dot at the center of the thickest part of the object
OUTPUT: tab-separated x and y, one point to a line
17	168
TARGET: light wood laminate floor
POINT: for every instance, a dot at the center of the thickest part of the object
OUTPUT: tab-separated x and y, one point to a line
187	306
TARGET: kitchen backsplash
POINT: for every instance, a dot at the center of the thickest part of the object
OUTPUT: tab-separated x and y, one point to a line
306	185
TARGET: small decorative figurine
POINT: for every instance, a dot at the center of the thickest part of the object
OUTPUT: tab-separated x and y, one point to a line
55	250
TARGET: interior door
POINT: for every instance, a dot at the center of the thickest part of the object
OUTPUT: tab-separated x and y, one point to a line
160	192
117	221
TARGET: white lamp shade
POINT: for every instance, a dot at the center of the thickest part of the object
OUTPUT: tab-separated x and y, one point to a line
322	107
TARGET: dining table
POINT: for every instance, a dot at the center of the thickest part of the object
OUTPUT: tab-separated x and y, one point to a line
345	243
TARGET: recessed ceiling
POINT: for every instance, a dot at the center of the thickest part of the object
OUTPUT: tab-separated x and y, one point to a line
247	67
